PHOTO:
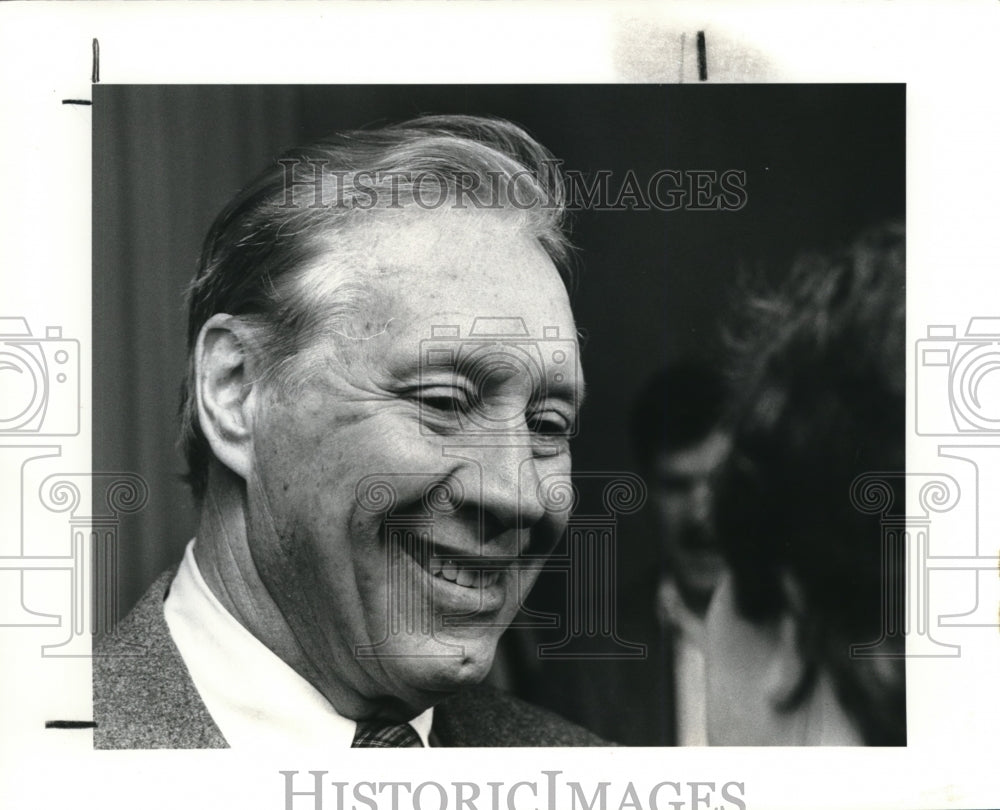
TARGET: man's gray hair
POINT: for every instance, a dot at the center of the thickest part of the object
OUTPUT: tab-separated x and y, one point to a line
305	205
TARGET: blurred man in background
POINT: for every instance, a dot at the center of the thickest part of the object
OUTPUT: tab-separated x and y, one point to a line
679	444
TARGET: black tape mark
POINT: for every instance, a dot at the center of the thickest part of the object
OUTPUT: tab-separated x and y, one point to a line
702	58
70	724
95	77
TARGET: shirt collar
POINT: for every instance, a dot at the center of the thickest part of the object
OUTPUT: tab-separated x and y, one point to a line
677	614
254	697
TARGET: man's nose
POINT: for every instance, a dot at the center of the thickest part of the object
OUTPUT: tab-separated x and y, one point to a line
503	480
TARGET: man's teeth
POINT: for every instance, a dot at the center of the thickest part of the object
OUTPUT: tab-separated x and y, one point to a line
466	577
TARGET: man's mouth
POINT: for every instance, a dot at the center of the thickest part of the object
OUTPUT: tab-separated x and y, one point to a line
460	573
460	581
464	569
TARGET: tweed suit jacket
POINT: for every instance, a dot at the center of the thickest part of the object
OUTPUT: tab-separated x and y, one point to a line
145	698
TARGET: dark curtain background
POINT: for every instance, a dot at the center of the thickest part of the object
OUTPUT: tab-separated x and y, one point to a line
821	162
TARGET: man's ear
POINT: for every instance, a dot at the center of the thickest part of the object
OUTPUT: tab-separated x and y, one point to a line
225	390
788	673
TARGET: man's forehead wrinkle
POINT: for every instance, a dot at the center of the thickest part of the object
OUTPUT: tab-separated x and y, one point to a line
386	249
428	270
447	246
442	233
342	295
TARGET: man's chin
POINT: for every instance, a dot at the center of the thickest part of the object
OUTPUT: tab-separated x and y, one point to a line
432	677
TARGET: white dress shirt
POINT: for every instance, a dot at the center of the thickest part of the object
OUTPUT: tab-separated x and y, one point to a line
689	665
254	697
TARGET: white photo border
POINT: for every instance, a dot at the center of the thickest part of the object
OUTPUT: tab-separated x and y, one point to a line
945	54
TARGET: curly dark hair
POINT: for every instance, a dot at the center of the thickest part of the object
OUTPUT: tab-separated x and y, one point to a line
678	408
821	400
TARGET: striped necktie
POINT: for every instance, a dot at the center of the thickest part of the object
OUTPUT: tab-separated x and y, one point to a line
379	734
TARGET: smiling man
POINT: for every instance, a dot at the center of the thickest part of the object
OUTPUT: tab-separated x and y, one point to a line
382	384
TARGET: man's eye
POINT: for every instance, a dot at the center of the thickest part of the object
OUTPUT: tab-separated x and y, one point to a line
445	401
549	423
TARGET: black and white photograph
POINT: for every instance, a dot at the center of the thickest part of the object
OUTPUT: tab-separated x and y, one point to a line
710	294
611	388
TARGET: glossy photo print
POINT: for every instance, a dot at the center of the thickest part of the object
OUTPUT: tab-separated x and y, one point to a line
481	402
604	393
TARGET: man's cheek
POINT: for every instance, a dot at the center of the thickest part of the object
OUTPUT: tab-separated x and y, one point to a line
366	526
